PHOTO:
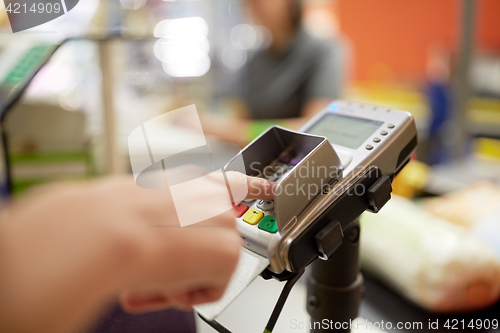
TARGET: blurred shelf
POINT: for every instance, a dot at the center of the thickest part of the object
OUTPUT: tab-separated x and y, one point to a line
483	118
445	178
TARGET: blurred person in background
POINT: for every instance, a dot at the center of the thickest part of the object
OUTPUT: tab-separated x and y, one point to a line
286	83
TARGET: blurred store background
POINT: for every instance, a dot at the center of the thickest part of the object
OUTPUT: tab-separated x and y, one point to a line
127	61
167	54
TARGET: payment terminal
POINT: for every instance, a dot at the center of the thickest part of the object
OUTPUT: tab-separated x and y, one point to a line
338	164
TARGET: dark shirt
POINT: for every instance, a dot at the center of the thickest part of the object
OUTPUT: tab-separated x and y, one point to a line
278	86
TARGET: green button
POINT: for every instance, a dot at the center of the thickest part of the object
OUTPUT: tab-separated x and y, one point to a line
268	223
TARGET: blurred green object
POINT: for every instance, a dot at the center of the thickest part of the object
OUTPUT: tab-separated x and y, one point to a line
26	64
255	128
46	144
31	169
43	158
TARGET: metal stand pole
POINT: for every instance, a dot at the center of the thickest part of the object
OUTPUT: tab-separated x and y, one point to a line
335	286
114	163
461	81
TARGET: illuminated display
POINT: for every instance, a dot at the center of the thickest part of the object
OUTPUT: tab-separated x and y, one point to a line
345	131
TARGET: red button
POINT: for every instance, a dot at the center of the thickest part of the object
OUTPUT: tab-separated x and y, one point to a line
239	209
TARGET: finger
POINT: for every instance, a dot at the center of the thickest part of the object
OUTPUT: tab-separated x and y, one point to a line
135	303
212	254
253	187
197	296
260	188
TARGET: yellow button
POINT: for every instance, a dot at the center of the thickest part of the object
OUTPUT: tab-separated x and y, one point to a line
253	216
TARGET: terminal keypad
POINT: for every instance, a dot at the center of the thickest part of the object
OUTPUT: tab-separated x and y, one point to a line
260	213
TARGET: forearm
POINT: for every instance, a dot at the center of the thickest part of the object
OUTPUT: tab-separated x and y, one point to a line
242	131
39	296
57	270
68	251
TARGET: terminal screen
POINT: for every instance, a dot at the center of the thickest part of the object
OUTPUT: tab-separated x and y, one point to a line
345	131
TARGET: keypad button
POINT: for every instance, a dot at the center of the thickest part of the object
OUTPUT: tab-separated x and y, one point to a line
265	204
391	126
376	140
253	216
383	133
268	223
369	147
239	209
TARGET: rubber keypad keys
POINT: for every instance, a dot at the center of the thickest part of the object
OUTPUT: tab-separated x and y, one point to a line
268	223
239	209
253	216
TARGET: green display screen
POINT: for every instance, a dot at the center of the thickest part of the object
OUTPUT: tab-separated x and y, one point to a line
345	131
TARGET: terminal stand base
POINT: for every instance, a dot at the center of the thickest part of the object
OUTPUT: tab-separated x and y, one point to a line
335	286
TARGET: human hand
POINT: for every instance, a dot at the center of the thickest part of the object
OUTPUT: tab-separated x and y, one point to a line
68	250
205	248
